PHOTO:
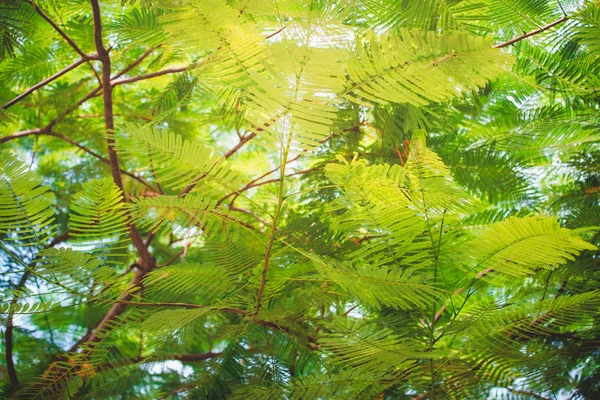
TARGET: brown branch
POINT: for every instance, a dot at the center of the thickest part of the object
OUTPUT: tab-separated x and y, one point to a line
278	209
43	83
116	114
263	275
237	221
147	260
85	58
8	327
253	182
38	131
118	307
443	309
527	393
106	95
20	134
250	213
181	305
245	139
269	324
60	31
349	311
174	70
95	92
228	154
172	259
275	33
151	75
136	62
95	72
52	123
533	32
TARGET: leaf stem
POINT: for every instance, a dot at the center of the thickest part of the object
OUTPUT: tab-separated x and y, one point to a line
531	33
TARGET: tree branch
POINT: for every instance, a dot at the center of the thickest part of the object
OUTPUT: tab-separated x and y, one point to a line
228	154
8	327
20	134
253	182
172	259
191	357
43	83
533	32
250	213
106	95
147	260
38	131
151	75
527	393
60	31
238	146
117	308
99	157
136	62
269	324
181	305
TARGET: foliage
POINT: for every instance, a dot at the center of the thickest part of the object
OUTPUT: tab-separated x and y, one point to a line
299	199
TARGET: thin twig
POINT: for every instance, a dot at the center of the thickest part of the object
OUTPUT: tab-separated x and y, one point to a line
245	139
181	305
228	154
278	31
253	182
8	327
99	157
151	75
60	31
136	62
172	259
38	132
304	171
250	213
43	83
533	32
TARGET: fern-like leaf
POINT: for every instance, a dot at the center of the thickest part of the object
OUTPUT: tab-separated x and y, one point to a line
297	109
176	163
98	221
378	287
368	348
521	246
205	284
26	207
182	215
420	68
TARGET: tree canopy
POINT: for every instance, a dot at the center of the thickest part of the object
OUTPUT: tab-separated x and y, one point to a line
300	199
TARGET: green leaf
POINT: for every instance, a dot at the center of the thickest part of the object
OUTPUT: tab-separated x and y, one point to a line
522	246
420	68
26	207
98	221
